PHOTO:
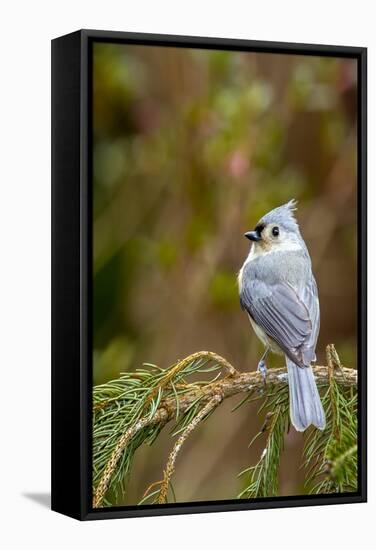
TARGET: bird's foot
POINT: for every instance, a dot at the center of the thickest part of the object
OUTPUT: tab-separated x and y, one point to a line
261	368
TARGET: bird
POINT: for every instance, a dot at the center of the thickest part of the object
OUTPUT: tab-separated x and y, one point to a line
278	291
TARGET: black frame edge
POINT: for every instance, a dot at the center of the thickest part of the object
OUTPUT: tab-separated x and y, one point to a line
362	269
71	476
86	281
65	330
225	506
223	43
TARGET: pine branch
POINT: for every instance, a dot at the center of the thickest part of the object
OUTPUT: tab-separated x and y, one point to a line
127	413
170	467
133	409
115	456
263	477
331	455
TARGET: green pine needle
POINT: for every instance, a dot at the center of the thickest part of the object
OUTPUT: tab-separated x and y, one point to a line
120	403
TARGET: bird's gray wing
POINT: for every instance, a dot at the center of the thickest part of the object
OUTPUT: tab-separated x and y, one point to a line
284	317
309	296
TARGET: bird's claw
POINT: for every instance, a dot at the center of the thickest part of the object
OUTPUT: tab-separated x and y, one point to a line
261	368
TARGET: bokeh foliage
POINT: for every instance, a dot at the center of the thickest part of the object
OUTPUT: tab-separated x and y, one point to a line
191	147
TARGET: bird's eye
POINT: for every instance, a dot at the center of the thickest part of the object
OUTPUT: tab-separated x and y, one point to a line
275	231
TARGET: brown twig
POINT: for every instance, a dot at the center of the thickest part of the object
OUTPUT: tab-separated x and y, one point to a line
114	459
174	369
170	466
333	361
183	363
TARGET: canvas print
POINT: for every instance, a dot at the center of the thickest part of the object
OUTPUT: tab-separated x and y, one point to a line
224	275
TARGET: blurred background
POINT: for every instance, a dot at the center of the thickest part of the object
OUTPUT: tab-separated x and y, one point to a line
191	148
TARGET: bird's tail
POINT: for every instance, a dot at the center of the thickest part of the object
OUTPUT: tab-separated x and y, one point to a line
305	403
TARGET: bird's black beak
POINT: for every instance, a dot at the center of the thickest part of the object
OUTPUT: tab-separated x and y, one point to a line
253	236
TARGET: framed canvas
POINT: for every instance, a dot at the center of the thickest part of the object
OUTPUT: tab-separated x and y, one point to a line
195	370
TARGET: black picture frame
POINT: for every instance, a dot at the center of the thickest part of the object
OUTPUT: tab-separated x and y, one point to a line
72	261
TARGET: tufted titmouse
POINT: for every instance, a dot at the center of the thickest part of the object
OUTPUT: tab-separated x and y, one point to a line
279	293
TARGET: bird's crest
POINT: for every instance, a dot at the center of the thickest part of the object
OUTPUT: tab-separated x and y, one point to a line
283	215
